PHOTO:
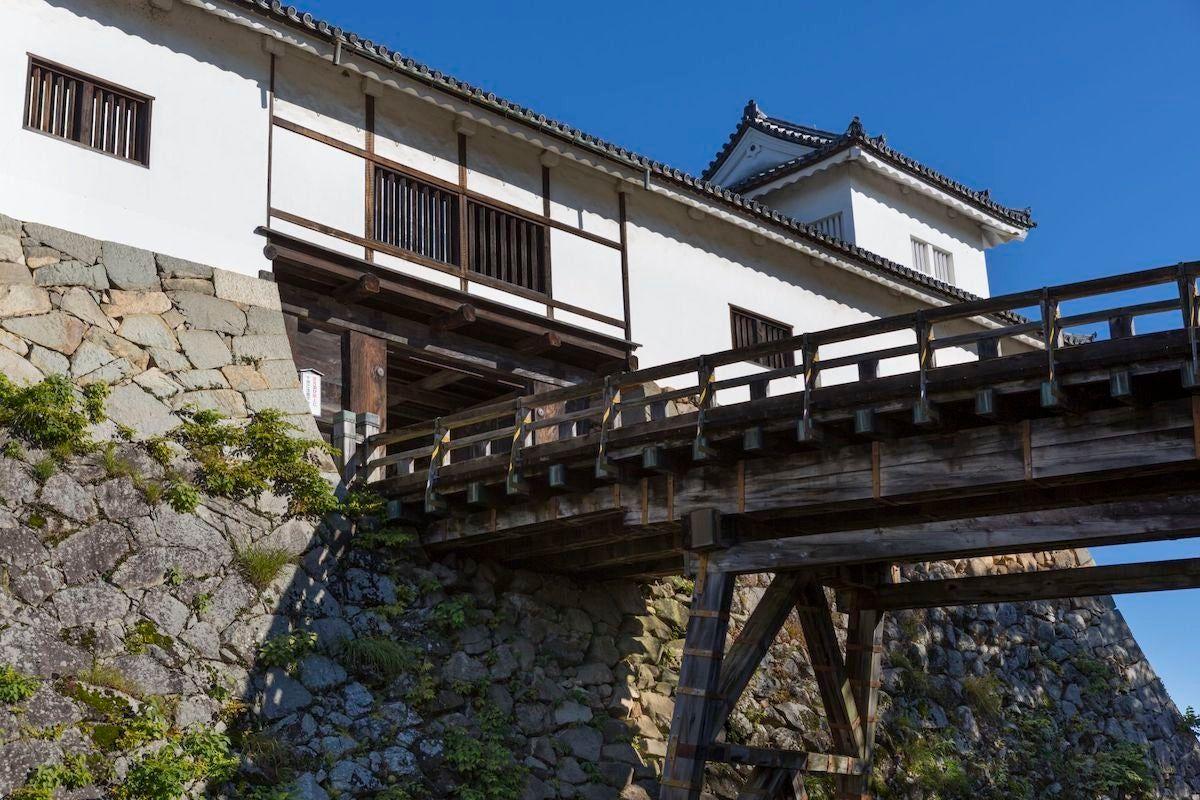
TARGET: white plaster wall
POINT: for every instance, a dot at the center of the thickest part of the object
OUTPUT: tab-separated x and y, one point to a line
586	274
825	193
585	200
504	169
886	219
205	189
318	182
416	134
312	93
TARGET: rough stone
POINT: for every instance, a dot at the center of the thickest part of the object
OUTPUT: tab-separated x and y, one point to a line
88	358
245	289
224	401
75	245
262	347
206	313
48	361
319	673
132	406
23	300
147	330
91	552
10	248
196	379
17	369
129	267
66	496
280	374
14	273
244	378
288	401
205	349
181	268
90	604
123	303
120	347
155	381
55	331
282	694
71	273
79	302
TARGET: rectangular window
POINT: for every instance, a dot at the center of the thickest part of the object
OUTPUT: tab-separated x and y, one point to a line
416	216
750	329
830	225
506	247
101	116
932	261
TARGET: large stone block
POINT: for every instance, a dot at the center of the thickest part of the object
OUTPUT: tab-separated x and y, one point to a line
129	267
71	273
10	248
91	604
206	313
56	330
91	552
123	303
262	347
246	289
22	300
130	405
205	349
181	268
15	273
224	401
148	330
289	401
17	369
79	247
68	497
79	302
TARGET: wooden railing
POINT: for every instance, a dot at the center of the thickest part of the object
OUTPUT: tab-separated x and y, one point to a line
994	332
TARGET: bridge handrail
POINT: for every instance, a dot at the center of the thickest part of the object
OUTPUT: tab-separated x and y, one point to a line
808	367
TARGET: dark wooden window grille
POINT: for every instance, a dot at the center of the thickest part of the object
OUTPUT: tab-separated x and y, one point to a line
416	216
506	247
84	110
750	329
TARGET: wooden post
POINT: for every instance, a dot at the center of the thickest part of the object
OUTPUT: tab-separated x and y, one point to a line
367	426
345	443
697	703
864	655
366	375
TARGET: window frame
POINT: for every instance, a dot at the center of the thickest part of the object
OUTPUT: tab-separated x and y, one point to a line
834	220
95	81
930	250
789	358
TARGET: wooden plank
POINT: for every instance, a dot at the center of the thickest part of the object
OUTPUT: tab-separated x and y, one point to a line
864	657
366	375
1120	522
793	760
697	704
1153	576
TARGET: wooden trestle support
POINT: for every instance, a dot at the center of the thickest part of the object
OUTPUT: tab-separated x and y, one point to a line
712	679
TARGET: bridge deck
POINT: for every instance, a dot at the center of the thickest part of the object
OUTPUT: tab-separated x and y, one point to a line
597	478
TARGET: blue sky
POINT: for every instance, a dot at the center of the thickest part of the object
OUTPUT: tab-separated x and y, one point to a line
1088	112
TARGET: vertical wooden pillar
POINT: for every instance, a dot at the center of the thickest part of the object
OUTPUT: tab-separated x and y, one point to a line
364	360
864	656
698	704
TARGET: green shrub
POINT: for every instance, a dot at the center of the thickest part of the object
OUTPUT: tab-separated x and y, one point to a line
16	687
12	449
984	694
378	657
48	414
486	766
261	565
242	461
386	539
44	469
287	650
73	773
182	497
454	614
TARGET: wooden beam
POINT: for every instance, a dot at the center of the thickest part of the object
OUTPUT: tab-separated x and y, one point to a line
697	704
793	760
366	285
756	638
365	360
829	668
452	320
1053	584
864	657
1122	522
536	345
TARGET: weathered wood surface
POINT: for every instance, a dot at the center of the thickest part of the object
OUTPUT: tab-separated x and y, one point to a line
1154	576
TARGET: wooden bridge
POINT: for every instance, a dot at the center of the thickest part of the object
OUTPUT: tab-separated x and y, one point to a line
1025	438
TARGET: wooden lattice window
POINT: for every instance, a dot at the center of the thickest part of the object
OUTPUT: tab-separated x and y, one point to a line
507	247
750	329
415	215
76	107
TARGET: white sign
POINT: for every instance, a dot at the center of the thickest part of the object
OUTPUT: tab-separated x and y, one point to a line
310	385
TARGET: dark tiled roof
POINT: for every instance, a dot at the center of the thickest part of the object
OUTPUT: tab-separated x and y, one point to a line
289	15
855	135
754	118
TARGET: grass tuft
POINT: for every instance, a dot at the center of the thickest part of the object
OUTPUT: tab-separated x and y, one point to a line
261	565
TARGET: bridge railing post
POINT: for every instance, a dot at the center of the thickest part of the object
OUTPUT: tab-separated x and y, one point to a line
805	430
1190	310
1052	337
345	444
924	412
706	376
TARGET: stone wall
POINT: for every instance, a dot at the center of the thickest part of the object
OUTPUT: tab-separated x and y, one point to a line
106	594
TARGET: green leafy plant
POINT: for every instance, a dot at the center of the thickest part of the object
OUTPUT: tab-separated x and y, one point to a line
386	539
454	614
72	773
242	461
48	414
180	496
486	766
16	687
202	603
12	449
261	565
44	469
287	649
984	693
